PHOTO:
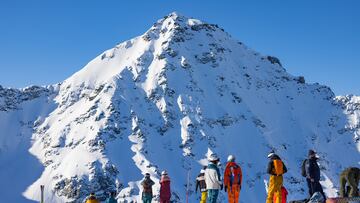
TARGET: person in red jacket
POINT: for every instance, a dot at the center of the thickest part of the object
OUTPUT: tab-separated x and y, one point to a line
232	180
284	194
165	191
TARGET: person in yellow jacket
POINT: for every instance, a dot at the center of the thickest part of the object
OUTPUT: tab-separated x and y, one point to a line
92	199
276	169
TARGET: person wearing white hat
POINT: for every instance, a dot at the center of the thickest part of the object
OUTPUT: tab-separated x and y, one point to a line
213	178
232	179
201	184
165	190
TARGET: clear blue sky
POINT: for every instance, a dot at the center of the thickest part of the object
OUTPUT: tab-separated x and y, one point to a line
44	43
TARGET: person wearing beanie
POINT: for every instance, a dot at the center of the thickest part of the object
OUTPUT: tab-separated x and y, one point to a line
92	198
313	174
276	169
201	185
165	191
213	178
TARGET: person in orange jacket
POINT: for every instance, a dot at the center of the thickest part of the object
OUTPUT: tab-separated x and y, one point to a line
284	194
232	180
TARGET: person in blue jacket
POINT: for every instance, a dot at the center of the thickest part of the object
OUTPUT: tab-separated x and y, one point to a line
111	198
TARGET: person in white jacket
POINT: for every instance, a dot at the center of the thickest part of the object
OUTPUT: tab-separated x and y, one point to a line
213	178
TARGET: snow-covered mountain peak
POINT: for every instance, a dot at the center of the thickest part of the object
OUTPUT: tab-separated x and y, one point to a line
164	100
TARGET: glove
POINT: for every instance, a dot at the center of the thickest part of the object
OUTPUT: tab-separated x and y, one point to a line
225	188
221	187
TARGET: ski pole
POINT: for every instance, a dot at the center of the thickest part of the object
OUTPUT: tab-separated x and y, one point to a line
42	193
187	187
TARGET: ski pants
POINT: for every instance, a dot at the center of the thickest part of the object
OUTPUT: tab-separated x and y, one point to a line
147	198
314	187
212	195
233	193
275	184
203	197
353	183
164	201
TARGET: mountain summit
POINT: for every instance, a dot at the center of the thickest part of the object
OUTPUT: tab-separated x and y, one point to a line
164	101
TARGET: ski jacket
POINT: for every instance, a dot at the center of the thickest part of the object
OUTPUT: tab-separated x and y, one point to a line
147	184
232	174
213	177
200	182
312	169
111	200
271	166
165	191
92	199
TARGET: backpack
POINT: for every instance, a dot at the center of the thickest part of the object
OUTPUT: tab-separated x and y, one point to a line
233	174
278	167
303	168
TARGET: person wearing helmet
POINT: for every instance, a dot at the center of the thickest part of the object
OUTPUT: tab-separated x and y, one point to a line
147	193
200	183
165	191
276	169
232	179
213	178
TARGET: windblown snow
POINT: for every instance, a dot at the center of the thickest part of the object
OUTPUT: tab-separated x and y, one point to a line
164	100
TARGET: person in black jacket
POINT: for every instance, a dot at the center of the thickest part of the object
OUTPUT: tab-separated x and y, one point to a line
276	168
313	174
200	184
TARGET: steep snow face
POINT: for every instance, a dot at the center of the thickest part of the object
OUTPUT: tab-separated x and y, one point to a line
20	112
167	99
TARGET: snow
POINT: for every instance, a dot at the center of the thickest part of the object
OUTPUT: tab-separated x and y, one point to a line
164	101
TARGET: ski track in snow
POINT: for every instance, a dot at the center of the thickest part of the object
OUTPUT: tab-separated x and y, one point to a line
164	100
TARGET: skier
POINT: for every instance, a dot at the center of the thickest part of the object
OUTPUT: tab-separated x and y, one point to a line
165	191
313	174
213	178
200	183
92	198
147	193
232	180
276	169
111	198
351	176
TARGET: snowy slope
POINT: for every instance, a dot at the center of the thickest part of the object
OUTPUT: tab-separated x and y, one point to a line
20	112
165	99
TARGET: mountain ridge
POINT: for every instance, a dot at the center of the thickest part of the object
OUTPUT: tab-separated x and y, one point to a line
166	99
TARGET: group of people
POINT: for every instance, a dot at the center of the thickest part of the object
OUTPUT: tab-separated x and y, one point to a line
209	181
349	179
